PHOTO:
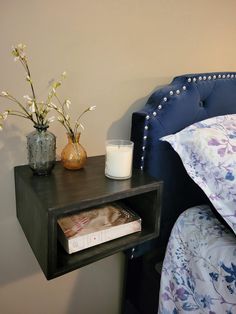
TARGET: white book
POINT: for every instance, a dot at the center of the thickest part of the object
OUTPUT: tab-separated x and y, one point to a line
97	225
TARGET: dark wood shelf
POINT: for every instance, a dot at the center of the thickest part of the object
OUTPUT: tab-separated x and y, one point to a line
40	201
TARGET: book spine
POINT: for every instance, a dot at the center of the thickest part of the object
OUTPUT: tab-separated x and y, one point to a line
85	241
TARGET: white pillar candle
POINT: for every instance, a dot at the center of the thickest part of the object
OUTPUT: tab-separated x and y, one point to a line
119	156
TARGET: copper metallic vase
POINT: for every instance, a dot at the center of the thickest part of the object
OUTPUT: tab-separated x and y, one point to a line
73	155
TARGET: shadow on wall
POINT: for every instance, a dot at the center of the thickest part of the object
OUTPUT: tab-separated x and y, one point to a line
105	273
121	128
16	259
12	153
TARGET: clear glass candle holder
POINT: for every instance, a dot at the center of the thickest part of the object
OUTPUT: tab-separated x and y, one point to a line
119	157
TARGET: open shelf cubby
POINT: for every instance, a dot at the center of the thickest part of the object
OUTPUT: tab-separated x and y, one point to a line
41	200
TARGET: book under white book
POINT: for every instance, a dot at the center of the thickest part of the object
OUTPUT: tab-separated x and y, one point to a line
97	225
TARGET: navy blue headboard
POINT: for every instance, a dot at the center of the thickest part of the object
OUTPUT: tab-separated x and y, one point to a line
187	99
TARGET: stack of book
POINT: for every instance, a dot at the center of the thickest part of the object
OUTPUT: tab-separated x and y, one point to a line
97	225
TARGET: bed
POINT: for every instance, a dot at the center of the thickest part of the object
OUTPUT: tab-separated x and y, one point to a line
186	136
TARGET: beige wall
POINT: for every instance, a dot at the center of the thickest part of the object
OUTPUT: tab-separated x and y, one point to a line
116	52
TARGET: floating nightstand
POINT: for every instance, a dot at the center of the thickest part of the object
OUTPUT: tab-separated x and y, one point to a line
41	200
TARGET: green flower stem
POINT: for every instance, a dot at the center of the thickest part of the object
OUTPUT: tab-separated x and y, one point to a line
77	121
65	122
12	113
11	98
33	92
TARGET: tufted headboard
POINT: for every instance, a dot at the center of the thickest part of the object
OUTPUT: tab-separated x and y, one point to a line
187	99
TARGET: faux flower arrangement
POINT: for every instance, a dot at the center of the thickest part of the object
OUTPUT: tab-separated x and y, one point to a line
63	112
37	111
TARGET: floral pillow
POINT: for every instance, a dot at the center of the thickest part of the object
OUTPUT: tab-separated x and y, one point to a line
208	152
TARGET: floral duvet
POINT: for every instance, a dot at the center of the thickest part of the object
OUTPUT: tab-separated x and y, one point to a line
199	269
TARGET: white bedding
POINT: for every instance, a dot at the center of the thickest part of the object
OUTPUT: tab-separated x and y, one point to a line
199	269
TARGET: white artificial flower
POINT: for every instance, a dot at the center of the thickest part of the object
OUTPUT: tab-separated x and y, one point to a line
51	119
27	97
5	115
52	105
81	125
68	103
92	108
4	93
64	74
21	46
32	107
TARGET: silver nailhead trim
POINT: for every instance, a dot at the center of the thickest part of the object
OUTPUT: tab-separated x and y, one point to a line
184	88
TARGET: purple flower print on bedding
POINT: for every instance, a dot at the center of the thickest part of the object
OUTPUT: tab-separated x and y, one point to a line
208	152
199	272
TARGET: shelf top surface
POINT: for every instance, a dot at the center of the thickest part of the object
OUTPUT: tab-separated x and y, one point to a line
65	189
